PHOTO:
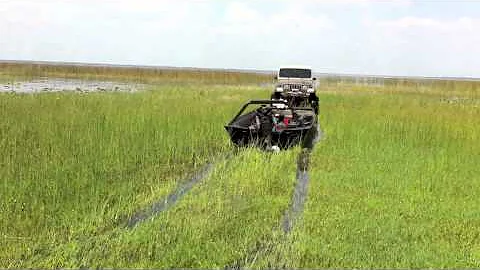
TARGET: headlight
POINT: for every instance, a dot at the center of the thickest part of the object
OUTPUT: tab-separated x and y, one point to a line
310	90
279	89
304	87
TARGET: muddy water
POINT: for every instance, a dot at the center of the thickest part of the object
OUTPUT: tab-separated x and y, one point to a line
58	85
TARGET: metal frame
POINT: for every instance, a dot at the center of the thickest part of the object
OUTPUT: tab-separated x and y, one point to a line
271	102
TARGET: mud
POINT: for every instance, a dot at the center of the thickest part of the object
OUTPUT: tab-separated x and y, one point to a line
59	85
170	200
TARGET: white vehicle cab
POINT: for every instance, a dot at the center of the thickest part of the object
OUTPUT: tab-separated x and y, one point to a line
295	78
296	85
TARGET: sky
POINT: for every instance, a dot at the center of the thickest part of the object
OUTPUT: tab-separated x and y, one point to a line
398	37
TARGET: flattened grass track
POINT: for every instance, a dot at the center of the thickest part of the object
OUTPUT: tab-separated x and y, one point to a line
171	199
293	213
394	185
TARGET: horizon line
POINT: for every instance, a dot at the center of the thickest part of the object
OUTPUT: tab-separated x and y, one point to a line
243	70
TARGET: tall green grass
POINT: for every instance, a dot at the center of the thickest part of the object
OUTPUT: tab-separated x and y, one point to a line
393	185
414	84
74	163
215	225
15	71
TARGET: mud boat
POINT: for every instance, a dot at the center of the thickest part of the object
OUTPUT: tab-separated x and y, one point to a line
273	125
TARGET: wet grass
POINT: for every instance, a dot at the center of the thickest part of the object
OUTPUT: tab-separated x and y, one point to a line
74	164
237	205
393	184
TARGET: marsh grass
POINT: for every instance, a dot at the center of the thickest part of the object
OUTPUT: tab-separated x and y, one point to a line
393	185
73	163
10	72
394	182
238	204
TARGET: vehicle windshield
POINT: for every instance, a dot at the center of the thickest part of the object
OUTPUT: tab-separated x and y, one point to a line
295	73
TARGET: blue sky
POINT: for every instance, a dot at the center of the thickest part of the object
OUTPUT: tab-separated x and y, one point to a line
398	37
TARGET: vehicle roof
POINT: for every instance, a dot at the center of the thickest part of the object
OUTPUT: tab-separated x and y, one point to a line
296	66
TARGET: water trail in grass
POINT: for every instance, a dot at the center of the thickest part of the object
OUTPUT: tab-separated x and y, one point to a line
171	199
301	188
175	195
300	192
265	246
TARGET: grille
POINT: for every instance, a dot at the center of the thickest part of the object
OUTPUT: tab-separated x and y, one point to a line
292	86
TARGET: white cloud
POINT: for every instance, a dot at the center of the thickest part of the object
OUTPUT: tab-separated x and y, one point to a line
365	3
459	24
426	46
240	12
293	19
243	34
408	22
255	38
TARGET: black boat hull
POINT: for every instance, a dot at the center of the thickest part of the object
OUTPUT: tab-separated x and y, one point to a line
258	127
288	138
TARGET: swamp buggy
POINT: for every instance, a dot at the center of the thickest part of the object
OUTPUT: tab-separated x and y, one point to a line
273	125
289	118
